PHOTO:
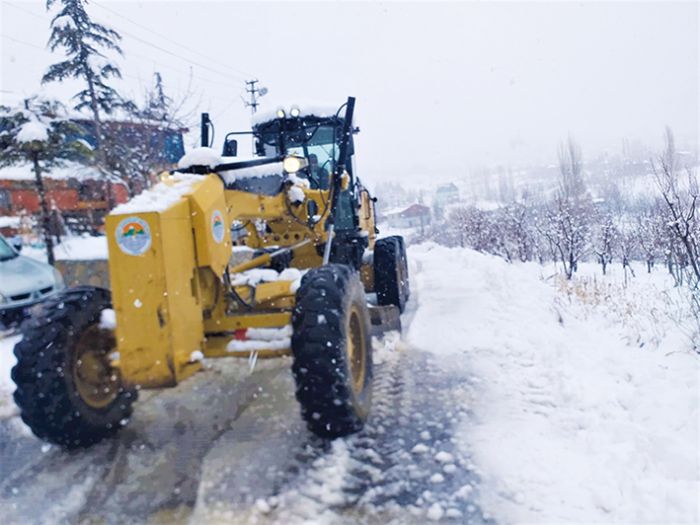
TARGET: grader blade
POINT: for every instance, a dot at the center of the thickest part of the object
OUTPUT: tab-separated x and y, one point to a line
384	319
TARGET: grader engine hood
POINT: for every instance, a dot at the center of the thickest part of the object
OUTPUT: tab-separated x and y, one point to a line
153	262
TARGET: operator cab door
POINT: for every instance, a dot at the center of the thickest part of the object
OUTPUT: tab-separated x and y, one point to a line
347	212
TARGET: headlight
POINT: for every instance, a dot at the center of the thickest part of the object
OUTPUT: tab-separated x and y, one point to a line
58	279
281	113
295	112
293	164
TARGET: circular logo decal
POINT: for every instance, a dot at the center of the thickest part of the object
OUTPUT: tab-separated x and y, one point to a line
217	226
133	236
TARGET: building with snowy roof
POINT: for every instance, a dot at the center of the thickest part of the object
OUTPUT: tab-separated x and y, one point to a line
415	216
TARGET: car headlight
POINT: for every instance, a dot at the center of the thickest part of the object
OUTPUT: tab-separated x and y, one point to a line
58	279
293	164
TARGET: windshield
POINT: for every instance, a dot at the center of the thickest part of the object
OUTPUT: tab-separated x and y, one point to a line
5	251
304	140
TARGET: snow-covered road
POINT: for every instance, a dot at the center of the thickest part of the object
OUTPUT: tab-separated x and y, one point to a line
227	446
502	402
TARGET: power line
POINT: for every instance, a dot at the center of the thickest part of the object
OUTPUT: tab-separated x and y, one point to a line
146	42
22	42
175	42
155	46
167	66
140	80
25	10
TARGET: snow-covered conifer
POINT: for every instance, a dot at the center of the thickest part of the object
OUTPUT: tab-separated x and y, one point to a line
85	44
38	133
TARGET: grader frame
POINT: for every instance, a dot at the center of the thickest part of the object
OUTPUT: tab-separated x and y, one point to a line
178	294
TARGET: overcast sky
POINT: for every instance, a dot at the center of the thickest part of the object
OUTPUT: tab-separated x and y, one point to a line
441	87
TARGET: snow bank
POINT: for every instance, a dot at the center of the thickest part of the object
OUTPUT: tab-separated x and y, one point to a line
161	196
10	222
72	248
571	423
67	171
7	386
82	248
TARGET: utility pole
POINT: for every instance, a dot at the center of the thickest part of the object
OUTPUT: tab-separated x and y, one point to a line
255	93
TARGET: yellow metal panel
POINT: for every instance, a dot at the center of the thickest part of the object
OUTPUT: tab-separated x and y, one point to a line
159	320
245	205
254	320
211	224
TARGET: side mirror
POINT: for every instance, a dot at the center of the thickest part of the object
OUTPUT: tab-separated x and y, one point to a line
230	148
259	148
16	243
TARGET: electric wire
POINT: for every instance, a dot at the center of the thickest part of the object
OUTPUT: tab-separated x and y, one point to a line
150	44
179	44
128	75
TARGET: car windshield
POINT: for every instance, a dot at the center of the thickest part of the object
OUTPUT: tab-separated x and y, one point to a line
5	251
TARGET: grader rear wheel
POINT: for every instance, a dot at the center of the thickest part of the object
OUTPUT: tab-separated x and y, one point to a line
332	351
391	272
67	390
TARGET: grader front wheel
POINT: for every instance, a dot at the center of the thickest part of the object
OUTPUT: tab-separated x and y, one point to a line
67	390
332	351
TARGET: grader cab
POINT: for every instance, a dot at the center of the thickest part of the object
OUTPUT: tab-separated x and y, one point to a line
261	257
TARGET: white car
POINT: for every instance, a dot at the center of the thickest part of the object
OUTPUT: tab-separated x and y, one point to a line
23	282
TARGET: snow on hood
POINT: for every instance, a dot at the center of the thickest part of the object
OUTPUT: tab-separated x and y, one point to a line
274	168
208	157
200	157
22	275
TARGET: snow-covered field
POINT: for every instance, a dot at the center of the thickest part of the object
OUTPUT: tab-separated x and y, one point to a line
586	403
512	397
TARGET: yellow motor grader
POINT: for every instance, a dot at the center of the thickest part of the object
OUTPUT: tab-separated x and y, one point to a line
261	257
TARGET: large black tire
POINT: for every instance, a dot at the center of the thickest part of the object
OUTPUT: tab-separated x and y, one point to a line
332	351
58	345
391	272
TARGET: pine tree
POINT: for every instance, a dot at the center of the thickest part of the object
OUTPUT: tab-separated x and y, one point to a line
158	104
39	133
84	42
